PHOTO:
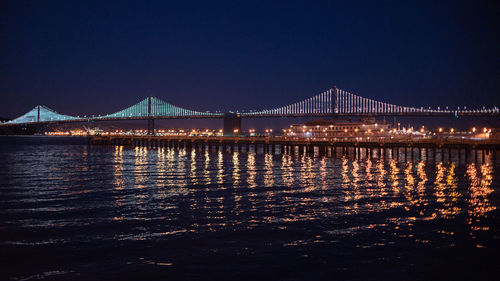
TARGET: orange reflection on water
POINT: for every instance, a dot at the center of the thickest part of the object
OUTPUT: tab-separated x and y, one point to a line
140	169
369	175
236	169
181	181
345	179
323	173
220	168
308	175
119	183
160	167
286	169
439	185
192	169
252	173
118	167
380	178
207	176
453	194
355	181
169	166
305	173
479	189
422	180
409	186
422	175
394	176
304	188
382	189
446	192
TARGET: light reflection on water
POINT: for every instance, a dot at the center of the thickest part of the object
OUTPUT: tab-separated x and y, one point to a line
365	185
81	194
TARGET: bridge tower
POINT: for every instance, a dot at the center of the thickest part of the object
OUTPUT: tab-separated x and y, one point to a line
151	120
335	103
232	123
37	127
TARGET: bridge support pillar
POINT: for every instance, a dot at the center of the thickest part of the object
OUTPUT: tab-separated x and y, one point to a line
151	126
232	124
322	149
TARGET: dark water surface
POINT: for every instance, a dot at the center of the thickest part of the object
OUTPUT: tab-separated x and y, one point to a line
69	211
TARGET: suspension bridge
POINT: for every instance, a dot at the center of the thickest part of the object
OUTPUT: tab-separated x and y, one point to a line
331	103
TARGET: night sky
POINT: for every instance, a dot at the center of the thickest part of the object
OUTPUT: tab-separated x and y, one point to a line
86	57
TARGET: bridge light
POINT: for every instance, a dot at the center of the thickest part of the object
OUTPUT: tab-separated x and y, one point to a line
440	130
452	130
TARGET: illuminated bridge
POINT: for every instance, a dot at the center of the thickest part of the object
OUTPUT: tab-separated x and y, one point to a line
333	102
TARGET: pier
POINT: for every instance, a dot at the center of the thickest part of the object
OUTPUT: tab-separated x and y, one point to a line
374	147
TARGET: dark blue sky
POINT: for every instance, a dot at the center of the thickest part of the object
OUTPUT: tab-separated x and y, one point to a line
86	57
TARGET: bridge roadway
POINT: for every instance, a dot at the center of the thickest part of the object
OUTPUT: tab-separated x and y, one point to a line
409	147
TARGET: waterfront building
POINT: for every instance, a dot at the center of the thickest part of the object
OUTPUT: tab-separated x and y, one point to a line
338	128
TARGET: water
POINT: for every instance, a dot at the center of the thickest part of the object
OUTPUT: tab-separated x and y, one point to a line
75	212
